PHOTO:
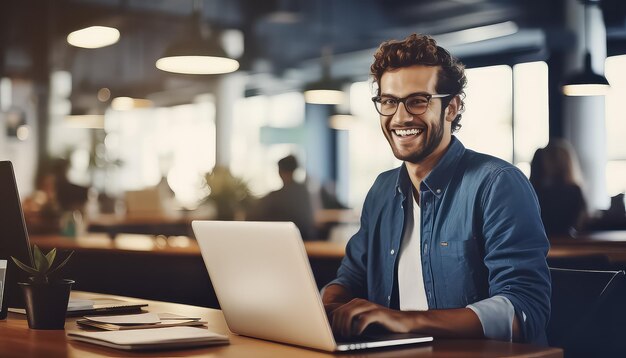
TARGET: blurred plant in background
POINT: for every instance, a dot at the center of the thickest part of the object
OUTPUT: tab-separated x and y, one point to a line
229	194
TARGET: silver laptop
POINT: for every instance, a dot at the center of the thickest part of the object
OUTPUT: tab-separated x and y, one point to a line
261	275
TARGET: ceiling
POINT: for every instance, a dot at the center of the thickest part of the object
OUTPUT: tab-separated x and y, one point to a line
282	40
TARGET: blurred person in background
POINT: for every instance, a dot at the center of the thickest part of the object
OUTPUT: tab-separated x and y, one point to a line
555	175
53	197
292	202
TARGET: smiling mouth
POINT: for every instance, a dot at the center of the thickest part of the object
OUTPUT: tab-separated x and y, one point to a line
408	132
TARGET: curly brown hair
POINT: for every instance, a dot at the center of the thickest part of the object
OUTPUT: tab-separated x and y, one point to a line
423	50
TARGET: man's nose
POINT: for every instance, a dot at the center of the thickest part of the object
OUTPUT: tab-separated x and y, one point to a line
402	115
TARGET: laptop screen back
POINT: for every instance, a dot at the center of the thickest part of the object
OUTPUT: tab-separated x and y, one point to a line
13	236
263	281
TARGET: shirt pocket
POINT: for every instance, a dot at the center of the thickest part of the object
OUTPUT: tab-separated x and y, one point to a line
459	266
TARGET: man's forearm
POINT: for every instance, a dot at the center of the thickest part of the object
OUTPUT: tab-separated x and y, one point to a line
448	323
335	295
455	323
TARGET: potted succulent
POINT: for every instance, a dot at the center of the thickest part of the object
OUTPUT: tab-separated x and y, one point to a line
46	298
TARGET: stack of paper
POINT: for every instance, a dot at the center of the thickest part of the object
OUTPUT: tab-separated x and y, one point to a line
154	338
139	321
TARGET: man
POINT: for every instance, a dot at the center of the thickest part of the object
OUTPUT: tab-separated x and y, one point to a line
292	202
451	243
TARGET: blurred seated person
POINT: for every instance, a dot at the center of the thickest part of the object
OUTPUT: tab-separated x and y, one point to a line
71	196
53	196
328	196
292	202
554	175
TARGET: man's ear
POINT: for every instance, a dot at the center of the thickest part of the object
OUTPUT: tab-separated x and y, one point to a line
453	108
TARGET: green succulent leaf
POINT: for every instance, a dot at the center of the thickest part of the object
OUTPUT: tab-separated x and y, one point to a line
41	262
30	270
62	263
50	256
37	257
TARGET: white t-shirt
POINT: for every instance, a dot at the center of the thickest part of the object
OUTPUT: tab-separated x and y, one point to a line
410	280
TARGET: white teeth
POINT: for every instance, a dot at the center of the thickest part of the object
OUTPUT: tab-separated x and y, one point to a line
407	132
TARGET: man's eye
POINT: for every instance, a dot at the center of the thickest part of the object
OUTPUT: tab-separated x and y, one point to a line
417	101
388	101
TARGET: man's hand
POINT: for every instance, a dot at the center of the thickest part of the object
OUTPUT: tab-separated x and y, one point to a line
352	318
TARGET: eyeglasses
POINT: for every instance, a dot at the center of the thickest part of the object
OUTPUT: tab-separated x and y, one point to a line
415	104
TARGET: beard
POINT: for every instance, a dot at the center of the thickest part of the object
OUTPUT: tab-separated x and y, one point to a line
432	142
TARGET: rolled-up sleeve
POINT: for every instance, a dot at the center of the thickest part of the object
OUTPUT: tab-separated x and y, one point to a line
515	251
496	316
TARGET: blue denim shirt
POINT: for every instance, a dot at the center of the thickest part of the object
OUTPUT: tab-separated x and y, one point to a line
481	236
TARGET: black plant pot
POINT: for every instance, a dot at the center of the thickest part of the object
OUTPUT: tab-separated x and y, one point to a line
46	303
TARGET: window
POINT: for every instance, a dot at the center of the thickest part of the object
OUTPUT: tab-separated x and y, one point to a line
178	142
530	112
487	121
616	125
265	129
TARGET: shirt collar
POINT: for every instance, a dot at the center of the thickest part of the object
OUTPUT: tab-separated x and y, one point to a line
437	180
403	182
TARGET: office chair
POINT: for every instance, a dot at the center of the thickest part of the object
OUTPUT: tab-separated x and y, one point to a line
588	317
582	262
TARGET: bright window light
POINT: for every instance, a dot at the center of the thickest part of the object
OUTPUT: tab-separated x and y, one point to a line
615	71
487	121
531	113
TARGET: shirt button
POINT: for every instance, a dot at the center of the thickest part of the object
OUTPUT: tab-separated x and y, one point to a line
393	251
388	298
425	248
438	191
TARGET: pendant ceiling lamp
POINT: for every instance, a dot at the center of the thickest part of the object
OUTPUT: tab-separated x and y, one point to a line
193	54
342	121
94	37
587	82
326	90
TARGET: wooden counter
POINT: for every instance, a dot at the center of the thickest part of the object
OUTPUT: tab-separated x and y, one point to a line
171	269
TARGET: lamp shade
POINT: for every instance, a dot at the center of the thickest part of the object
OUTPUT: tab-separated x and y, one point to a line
342	121
586	83
196	55
326	91
94	37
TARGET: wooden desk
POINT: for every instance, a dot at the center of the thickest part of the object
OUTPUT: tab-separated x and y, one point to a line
16	340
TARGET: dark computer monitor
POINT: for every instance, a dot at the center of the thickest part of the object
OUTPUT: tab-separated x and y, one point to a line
13	237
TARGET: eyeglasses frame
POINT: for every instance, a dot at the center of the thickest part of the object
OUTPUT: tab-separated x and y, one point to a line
428	96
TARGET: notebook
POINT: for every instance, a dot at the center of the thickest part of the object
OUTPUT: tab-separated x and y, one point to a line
139	321
101	306
151	339
81	307
263	281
